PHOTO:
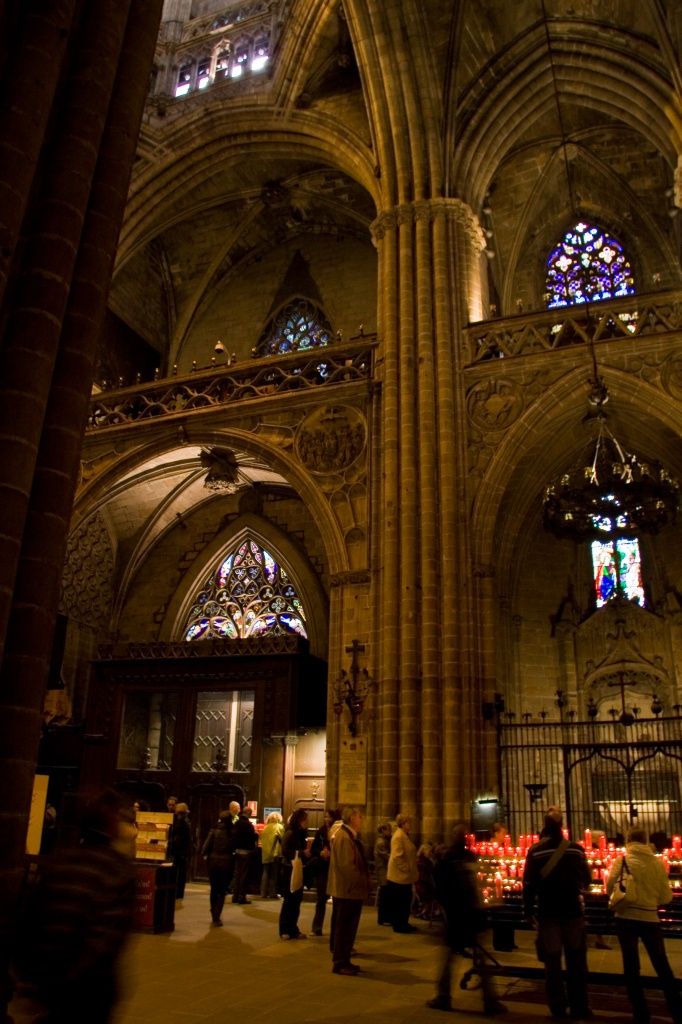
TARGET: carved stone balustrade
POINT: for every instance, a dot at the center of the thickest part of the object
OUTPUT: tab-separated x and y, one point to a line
326	368
568	326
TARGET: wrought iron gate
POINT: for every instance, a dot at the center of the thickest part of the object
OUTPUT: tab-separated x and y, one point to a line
604	775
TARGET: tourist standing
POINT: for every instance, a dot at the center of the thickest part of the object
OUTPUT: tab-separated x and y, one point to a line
271	855
218	853
639	919
320	854
348	885
555	874
402	873
294	843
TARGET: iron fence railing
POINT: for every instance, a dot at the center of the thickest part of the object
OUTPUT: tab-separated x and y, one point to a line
603	775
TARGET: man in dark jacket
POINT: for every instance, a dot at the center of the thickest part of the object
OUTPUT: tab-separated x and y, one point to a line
555	874
244	839
218	851
457	891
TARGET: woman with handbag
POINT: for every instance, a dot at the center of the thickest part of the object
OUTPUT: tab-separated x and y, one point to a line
637	886
271	855
293	852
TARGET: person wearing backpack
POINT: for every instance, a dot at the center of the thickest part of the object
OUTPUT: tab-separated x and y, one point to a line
637	886
554	876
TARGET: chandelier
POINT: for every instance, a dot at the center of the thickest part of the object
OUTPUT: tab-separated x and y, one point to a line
609	491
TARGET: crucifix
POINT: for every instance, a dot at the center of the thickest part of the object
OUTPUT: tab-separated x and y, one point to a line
626	718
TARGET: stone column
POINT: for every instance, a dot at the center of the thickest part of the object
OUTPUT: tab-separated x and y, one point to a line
385	237
462	683
29	83
32	322
429	259
109	126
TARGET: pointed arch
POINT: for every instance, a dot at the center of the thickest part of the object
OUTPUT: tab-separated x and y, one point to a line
210	575
299	324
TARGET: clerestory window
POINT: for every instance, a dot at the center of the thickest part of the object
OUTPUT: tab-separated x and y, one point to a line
248	594
588	265
298	326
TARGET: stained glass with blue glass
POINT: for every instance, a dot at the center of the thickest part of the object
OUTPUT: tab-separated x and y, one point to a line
299	326
588	265
249	594
617	568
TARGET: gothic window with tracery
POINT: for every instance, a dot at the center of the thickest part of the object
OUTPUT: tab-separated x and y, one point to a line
586	266
298	326
617	569
249	594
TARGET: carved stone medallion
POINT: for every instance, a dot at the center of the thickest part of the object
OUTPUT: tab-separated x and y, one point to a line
331	439
494	404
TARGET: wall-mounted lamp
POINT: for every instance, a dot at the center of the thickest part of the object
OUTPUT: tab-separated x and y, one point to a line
352	688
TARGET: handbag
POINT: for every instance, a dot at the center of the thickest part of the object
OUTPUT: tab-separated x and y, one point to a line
296	882
624	892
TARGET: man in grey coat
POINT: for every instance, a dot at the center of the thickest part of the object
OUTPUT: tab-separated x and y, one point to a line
348	885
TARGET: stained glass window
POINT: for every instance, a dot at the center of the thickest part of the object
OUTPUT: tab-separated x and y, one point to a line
249	594
586	266
617	567
300	325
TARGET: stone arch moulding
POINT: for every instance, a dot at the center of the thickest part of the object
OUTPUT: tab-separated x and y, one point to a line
94	494
562	404
303	576
316	137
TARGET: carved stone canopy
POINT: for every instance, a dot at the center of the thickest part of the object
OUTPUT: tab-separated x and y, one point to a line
622	643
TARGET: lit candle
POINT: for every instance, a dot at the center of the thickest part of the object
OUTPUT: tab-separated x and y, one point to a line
588	839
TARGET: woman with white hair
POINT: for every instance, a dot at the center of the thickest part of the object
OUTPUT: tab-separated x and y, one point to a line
402	874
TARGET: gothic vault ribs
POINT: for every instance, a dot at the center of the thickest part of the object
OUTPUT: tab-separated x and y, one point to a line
259	379
631	317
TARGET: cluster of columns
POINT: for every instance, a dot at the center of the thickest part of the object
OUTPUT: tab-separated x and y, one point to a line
428	710
75	79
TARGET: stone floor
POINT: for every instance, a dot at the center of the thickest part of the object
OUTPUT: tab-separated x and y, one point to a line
243	972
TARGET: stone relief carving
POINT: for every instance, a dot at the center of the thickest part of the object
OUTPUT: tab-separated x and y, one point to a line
622	642
331	439
671	376
495	404
87	591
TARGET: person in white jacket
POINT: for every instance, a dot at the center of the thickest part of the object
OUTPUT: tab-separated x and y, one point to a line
402	873
639	920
